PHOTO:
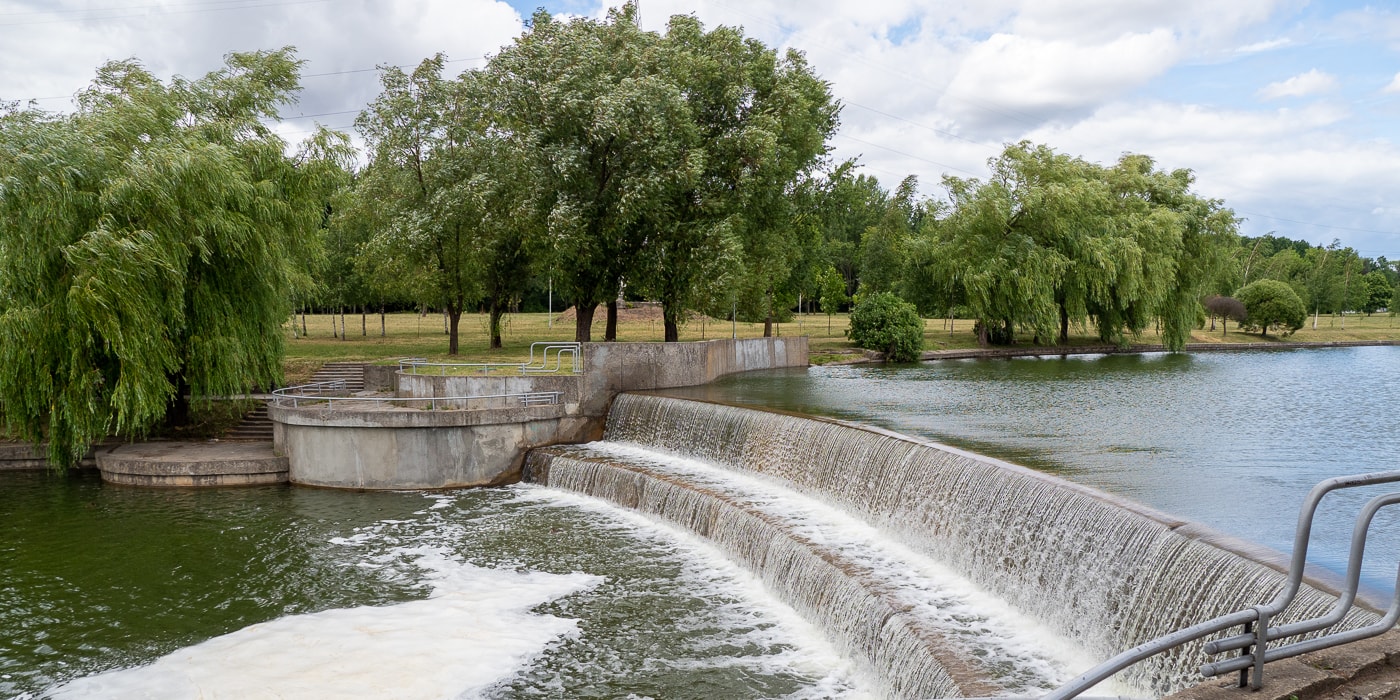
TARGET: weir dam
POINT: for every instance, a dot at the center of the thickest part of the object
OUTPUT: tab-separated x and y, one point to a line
939	572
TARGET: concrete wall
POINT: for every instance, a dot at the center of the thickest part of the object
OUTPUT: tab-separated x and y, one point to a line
613	368
429	386
380	377
483	442
415	449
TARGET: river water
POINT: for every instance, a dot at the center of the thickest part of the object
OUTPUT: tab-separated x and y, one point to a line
1232	440
527	592
521	592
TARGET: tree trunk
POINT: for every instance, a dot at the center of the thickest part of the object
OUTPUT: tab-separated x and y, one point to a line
335	333
496	312
177	412
303	321
670	321
1064	325
364	326
610	330
454	317
382	332
583	322
768	319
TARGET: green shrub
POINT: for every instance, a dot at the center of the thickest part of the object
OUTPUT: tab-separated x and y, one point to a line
1271	303
889	324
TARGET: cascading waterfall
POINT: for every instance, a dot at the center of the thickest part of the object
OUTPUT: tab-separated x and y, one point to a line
1102	573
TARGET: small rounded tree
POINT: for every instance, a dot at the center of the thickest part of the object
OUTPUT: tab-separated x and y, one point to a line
1272	304
889	324
1224	308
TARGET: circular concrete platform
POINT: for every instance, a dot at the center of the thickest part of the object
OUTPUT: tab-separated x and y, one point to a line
193	464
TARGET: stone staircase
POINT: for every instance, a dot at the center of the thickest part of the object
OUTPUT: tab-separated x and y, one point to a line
352	373
255	426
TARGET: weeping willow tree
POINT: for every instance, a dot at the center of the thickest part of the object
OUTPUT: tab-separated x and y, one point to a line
1050	241
149	243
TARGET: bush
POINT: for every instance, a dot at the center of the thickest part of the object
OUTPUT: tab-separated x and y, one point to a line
1271	303
889	324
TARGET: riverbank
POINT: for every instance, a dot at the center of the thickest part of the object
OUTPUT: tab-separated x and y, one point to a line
858	357
415	335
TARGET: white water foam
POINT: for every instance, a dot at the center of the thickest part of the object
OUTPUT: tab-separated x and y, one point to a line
707	572
1032	656
473	630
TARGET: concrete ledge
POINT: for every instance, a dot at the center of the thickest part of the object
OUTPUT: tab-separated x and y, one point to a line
1323	674
22	456
192	464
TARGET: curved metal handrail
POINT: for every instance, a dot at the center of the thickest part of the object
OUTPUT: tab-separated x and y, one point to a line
1258	636
528	398
412	365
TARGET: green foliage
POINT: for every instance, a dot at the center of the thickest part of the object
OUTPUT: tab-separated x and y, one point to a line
152	243
1271	304
832	288
889	324
450	193
1049	241
1378	290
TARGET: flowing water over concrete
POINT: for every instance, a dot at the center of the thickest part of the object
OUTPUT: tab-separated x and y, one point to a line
1102	574
1232	440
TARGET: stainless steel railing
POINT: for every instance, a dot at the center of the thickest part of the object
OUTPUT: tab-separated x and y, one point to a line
1253	642
541	365
321	393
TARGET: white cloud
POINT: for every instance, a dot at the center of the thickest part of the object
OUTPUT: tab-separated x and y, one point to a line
1301	85
1098	21
1017	82
1394	85
1262	46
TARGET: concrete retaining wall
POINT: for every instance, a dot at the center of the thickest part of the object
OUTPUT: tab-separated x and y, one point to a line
483	442
380	377
415	449
425	386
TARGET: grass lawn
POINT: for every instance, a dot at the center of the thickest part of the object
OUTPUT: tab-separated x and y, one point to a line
412	335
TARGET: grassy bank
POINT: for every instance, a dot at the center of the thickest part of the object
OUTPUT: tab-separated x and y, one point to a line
412	335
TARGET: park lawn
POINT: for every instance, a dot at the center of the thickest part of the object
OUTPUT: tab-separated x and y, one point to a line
412	335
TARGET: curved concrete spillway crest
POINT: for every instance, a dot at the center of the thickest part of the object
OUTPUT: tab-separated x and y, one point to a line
1102	572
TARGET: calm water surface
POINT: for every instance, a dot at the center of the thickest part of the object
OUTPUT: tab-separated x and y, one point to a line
1233	440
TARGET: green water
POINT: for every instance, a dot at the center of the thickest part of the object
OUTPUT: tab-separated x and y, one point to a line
95	577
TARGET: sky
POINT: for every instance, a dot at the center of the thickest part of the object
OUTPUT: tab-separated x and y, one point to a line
1286	110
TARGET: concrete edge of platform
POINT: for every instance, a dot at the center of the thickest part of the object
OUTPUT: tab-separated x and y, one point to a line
1322	674
193	464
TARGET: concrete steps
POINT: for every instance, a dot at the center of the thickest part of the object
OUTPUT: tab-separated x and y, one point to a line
352	373
255	426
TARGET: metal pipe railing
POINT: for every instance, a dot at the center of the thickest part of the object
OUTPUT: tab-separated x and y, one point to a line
527	398
413	365
1257	631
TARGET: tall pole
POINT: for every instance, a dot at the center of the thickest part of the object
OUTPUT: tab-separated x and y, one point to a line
551	301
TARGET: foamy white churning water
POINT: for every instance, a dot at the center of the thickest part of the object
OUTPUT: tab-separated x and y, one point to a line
474	629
